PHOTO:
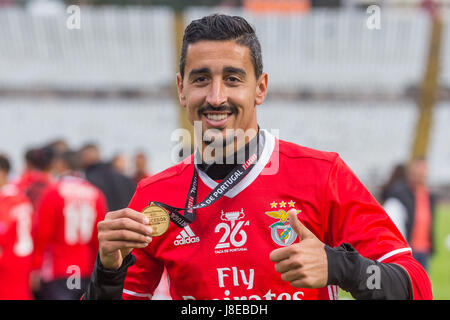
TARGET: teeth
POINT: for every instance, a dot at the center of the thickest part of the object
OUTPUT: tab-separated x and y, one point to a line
216	117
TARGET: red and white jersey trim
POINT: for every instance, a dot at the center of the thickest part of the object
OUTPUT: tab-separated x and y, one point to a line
393	253
333	292
136	294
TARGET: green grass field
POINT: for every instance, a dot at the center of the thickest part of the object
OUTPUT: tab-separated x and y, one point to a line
439	270
440	264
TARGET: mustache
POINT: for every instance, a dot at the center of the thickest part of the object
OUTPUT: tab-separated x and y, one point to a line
222	108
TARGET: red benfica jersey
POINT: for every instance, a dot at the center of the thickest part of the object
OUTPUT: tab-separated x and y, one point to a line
224	253
66	233
16	244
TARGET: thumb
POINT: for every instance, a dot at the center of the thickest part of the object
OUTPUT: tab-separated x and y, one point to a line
298	227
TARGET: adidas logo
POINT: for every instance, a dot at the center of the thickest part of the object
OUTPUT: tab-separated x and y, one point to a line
186	236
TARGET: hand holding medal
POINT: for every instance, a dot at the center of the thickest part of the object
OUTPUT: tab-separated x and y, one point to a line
119	233
126	229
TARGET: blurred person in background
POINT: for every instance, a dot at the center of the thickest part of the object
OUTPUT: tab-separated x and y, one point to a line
119	163
398	174
36	176
57	166
16	243
35	180
141	167
66	234
117	187
411	206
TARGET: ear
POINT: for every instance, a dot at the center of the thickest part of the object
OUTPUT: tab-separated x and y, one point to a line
180	89
261	88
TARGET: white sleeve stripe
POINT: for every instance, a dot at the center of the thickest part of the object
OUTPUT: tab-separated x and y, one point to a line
393	253
136	294
336	292
330	293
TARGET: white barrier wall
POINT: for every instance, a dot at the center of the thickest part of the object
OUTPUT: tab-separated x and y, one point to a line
114	48
132	47
335	50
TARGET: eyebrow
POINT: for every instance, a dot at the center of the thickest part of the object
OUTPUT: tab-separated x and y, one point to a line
225	70
235	70
199	71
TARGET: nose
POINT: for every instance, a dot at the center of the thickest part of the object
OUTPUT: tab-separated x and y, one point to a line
217	93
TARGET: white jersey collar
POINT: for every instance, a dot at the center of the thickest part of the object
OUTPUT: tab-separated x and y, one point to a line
268	147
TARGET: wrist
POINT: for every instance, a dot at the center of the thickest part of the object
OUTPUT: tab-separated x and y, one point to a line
128	261
343	265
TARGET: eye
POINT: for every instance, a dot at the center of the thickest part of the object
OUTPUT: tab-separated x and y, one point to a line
232	79
200	79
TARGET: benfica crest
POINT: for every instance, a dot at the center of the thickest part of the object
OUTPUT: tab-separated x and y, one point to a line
281	231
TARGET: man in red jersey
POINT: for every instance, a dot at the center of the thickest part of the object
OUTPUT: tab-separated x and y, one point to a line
252	217
16	243
66	234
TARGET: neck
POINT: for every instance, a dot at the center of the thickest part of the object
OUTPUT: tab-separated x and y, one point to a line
221	166
3	181
218	148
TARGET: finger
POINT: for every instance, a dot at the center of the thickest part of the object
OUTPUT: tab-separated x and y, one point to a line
302	282
125	224
127	213
298	227
112	246
124	235
291	275
280	254
286	265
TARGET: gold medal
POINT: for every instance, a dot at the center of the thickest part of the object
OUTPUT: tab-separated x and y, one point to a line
159	219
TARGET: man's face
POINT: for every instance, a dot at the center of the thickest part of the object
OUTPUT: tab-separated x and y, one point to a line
220	88
417	172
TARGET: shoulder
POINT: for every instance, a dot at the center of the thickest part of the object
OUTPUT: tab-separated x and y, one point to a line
74	186
295	151
11	194
11	191
167	175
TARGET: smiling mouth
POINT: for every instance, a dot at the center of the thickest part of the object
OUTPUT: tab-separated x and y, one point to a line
217	119
217	116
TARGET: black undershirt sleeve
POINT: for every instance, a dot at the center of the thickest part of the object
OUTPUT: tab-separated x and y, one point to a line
365	278
107	284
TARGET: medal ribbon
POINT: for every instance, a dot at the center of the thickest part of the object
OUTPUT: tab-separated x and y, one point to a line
232	179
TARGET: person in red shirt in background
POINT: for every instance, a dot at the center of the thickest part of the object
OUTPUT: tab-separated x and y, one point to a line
35	180
36	177
16	243
66	233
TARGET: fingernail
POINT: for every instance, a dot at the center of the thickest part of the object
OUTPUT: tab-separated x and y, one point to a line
149	230
148	239
146	220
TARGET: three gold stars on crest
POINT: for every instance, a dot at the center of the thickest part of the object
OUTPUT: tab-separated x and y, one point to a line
282	204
